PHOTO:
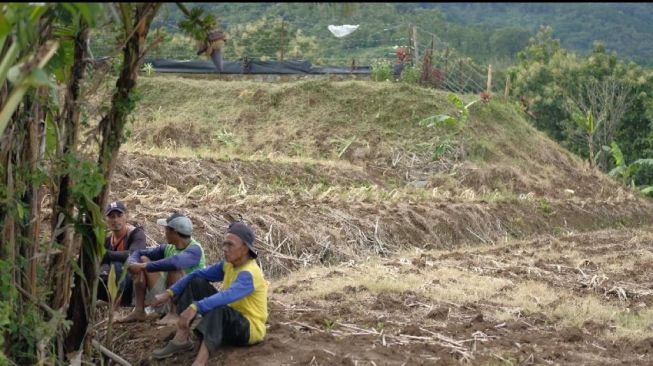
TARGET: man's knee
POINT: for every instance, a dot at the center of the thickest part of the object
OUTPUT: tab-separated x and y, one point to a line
200	287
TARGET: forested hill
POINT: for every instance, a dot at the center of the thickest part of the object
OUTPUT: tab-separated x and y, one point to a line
487	32
625	28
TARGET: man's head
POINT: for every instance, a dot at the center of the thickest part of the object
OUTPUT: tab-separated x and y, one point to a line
179	228
116	216
238	245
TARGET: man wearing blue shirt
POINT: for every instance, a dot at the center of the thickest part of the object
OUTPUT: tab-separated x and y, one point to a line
154	268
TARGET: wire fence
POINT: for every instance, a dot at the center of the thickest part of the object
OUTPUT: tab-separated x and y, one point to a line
448	69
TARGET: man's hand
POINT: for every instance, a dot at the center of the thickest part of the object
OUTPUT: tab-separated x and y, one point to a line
186	317
160	299
136	268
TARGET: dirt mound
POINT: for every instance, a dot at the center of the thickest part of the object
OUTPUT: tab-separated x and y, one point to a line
372	125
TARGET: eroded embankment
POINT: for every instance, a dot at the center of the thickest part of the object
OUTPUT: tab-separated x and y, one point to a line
300	225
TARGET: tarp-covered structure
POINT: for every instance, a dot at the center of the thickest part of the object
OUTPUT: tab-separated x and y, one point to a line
252	67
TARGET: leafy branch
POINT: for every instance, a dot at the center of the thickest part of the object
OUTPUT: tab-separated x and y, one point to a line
195	24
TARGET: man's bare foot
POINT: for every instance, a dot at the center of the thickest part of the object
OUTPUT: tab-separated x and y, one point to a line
134	316
169	319
198	363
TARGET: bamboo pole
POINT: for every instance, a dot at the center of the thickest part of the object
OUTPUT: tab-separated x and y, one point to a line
117	359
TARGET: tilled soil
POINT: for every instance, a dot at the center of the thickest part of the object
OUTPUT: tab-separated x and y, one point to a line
359	325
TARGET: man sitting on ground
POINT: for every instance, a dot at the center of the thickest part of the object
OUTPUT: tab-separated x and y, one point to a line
157	268
236	315
124	239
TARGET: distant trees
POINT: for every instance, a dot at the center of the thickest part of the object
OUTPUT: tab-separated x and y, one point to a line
588	102
507	42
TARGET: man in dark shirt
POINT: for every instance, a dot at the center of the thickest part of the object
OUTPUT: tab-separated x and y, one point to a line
157	268
124	239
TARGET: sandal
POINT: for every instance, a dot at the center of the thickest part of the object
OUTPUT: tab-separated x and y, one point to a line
171	348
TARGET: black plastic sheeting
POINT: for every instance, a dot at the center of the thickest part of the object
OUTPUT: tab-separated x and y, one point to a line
253	67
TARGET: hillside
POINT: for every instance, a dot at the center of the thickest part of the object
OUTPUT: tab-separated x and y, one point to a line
389	242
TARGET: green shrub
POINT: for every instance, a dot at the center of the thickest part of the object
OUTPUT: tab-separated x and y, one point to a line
410	75
382	70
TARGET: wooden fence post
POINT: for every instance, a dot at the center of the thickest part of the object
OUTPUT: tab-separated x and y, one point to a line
409	49
488	87
415	44
461	75
506	92
283	36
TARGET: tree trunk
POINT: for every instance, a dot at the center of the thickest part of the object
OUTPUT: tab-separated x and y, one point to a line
32	197
63	205
82	307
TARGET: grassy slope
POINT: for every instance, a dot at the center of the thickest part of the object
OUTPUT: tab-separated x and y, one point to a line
374	125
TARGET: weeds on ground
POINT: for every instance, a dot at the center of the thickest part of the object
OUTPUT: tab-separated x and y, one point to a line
225	137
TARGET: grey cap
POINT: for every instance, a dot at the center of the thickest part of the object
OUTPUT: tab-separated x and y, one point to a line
179	223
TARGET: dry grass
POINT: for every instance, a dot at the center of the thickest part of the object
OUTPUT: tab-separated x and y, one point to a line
460	282
442	284
204	152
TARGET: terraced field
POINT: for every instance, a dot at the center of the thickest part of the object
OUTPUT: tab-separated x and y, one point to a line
387	242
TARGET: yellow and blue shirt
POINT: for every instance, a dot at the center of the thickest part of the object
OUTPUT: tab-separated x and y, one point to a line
244	290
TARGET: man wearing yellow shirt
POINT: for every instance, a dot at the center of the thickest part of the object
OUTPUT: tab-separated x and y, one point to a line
235	315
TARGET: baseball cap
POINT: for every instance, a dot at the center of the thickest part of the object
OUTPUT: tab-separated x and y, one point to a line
241	230
115	206
179	223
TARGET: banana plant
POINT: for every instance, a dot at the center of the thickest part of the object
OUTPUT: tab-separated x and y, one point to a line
625	172
112	290
444	119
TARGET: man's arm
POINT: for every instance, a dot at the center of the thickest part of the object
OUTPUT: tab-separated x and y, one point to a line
137	239
188	258
241	287
107	247
154	254
214	273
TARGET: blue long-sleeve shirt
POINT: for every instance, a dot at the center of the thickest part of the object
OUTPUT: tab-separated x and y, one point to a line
164	259
241	287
